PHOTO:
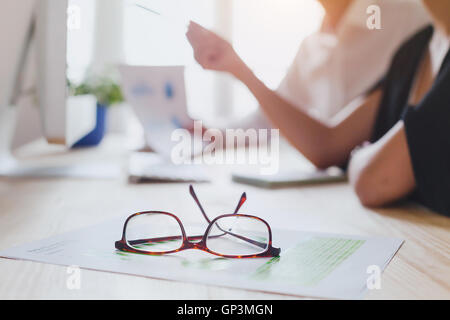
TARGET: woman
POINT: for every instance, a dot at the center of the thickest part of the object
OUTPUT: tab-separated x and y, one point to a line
404	124
345	58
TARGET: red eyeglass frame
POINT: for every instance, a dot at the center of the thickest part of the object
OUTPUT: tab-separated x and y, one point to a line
187	244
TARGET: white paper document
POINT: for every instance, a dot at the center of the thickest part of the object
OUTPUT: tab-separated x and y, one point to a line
310	264
158	96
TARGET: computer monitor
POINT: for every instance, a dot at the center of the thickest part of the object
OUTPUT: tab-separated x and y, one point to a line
43	24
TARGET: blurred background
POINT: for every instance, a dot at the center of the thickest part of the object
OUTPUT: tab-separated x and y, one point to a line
112	32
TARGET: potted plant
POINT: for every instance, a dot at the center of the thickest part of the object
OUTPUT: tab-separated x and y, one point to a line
108	93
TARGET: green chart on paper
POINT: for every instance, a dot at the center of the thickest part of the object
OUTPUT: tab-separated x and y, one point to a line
309	262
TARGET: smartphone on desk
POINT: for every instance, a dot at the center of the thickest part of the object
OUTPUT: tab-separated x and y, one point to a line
290	178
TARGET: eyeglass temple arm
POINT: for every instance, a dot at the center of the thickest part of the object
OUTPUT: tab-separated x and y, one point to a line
162	239
241	203
238	207
192	192
254	242
194	195
192	238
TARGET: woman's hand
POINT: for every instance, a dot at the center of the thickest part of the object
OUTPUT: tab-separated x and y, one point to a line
211	51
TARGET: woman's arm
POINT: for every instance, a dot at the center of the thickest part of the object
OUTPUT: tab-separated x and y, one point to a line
382	173
324	144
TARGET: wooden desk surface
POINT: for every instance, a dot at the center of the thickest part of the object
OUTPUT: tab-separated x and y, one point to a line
32	209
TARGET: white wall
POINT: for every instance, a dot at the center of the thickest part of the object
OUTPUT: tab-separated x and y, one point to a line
109	30
14	20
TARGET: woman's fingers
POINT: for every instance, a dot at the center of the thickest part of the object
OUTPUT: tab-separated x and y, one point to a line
204	44
199	30
210	50
196	32
192	36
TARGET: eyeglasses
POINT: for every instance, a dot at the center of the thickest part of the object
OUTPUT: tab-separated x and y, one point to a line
229	236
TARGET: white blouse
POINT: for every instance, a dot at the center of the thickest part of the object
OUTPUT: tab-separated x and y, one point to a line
332	69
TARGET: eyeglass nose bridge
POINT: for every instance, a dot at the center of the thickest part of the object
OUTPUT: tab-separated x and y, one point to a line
199	245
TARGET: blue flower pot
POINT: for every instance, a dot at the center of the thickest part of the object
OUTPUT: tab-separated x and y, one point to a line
94	137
